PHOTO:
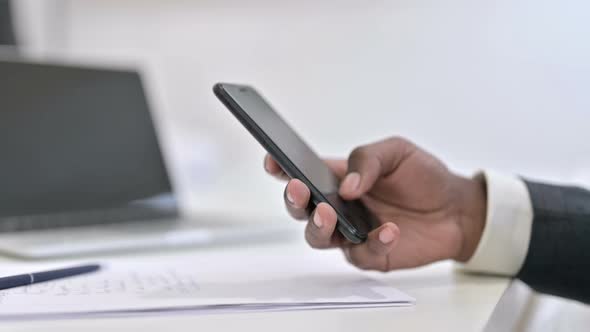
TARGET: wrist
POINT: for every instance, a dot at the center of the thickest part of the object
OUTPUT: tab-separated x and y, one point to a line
472	206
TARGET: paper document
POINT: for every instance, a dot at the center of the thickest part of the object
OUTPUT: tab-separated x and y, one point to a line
204	283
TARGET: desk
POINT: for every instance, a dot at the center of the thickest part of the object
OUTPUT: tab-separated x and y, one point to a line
446	301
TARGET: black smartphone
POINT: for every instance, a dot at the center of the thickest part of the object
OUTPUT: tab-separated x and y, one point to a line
296	158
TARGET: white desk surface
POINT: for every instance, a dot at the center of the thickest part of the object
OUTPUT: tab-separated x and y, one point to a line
446	300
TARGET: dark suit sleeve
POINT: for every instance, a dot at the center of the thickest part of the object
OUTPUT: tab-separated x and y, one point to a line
558	258
6	27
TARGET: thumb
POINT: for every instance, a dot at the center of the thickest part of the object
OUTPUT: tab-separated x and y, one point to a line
368	163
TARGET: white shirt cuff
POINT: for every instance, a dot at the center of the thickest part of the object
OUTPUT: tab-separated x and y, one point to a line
505	239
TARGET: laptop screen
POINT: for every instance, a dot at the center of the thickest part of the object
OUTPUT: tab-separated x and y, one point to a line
76	139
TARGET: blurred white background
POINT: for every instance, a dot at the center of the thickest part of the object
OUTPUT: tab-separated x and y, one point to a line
500	84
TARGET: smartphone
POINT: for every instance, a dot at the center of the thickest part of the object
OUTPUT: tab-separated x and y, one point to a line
296	158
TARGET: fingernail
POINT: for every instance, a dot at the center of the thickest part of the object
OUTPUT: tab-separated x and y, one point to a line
351	182
290	198
317	220
386	236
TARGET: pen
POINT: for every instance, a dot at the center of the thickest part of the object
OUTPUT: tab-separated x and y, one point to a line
37	277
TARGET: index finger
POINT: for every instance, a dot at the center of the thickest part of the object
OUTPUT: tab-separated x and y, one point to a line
338	166
273	168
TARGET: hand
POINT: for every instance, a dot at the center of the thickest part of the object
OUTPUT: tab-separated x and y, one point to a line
426	212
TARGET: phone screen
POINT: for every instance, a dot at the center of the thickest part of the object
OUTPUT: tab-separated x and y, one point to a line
295	156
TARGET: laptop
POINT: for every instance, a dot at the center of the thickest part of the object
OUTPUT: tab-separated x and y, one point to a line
82	169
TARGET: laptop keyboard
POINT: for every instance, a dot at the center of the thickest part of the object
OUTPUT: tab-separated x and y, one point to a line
83	218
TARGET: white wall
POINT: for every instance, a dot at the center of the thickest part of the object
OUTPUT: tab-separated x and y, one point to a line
501	84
